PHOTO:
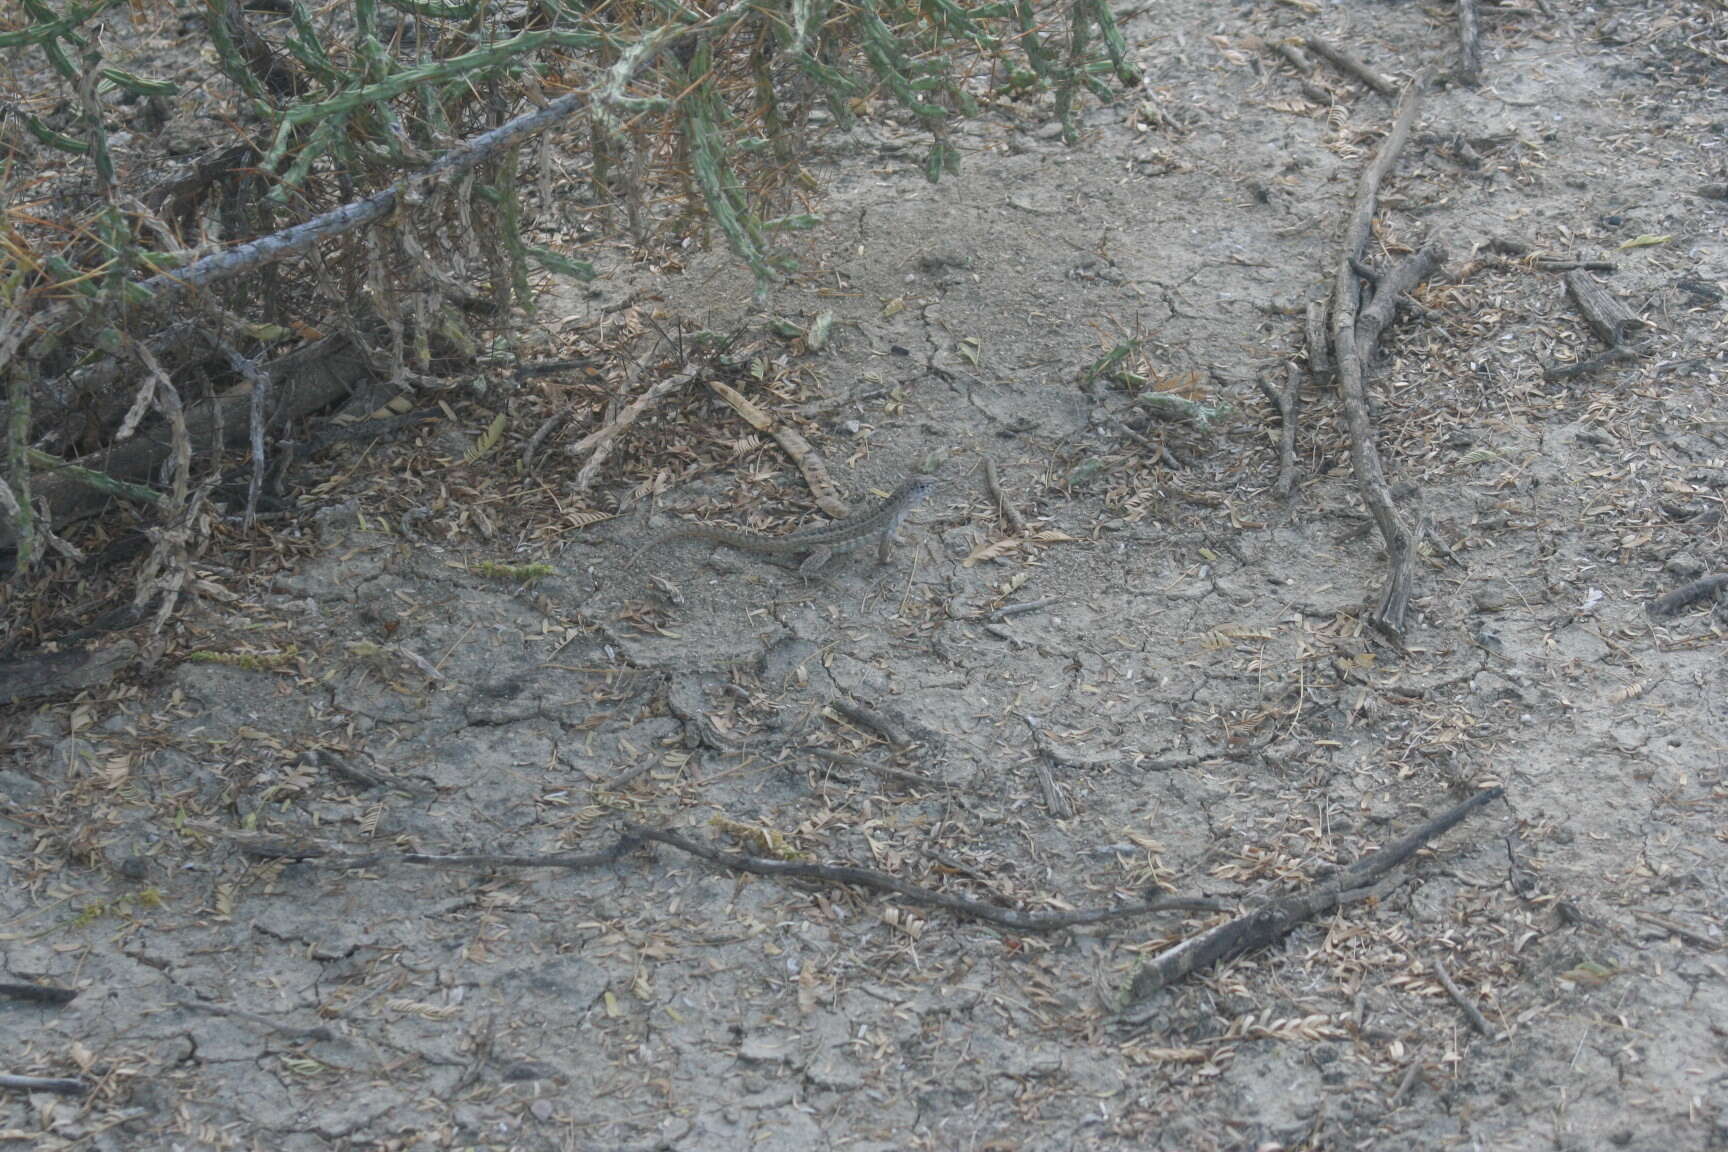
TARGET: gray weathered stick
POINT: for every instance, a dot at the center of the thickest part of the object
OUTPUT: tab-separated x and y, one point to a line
1285	401
1469	43
1393	284
66	1086
1320	366
1364	456
1471	1012
1351	66
1274	919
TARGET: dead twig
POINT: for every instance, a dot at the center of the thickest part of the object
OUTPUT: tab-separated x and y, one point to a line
882	882
1405	1083
1351	66
313	852
870	718
1390	289
1008	610
1399	537
1548	264
1271	921
1624	354
1285	402
898	775
1675	928
1010	514
301	850
66	1086
597	445
1471	1012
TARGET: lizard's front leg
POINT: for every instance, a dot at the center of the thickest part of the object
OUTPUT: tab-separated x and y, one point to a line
814	561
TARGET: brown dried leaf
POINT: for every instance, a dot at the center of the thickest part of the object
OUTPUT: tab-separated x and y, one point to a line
991	551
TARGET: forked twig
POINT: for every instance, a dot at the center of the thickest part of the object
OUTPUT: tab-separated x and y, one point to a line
1400	537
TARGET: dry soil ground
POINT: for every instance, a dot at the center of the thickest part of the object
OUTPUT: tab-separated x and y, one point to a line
1214	716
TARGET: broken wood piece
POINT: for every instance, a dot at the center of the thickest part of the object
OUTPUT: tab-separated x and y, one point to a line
1320	368
866	717
1625	353
66	1086
1274	919
1606	315
1704	588
1293	55
40	674
38	993
1008	610
1469	43
1351	66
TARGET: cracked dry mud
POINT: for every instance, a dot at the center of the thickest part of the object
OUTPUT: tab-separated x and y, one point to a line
1223	722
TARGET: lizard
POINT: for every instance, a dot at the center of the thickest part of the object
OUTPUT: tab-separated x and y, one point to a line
819	543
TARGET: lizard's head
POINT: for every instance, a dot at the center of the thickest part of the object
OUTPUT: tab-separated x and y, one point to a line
918	487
